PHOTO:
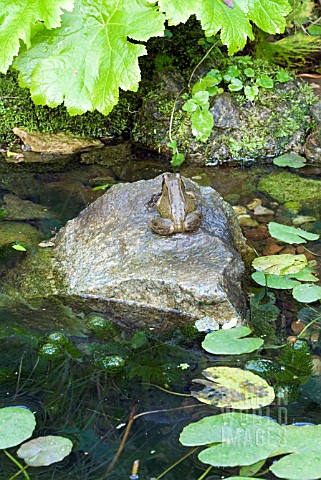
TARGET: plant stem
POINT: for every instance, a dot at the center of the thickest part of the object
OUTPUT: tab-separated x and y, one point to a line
205	473
176	463
22	468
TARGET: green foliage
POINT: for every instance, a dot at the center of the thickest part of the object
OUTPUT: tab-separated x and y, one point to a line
234	438
232	441
230	342
292	160
307	293
83	56
290	234
233	388
242	76
263	315
16	425
284	264
45	450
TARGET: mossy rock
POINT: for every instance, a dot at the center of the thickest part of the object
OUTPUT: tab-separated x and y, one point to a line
18	110
288	187
11	232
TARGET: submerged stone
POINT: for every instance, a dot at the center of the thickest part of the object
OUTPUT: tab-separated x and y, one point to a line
18	209
289	187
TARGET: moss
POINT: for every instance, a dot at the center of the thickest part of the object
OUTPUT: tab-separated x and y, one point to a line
288	187
17	109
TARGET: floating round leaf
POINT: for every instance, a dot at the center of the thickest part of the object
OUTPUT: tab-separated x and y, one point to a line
290	234
238	438
274	281
229	342
307	293
284	264
289	159
16	425
233	388
45	450
304	446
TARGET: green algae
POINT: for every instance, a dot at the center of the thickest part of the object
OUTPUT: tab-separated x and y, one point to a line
289	187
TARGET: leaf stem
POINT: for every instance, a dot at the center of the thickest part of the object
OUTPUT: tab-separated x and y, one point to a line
22	468
176	463
205	473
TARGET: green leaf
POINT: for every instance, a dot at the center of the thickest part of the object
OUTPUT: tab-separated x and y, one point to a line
230	342
251	92
307	293
290	160
274	281
85	61
231	433
44	451
214	16
233	388
19	247
285	264
102	187
252	469
269	14
282	76
303	445
249	72
314	29
190	106
236	85
177	159
305	275
206	83
18	19
290	234
201	98
202	125
265	81
16	425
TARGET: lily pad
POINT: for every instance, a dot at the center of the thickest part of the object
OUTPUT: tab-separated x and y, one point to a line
233	388
304	446
230	342
290	234
16	425
274	281
285	264
307	293
238	438
290	160
45	450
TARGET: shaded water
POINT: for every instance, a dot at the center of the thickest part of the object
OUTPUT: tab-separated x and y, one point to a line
73	394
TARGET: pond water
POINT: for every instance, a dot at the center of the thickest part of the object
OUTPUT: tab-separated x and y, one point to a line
66	380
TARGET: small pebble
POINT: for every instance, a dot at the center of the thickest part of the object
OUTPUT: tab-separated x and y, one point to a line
289	249
297	327
239	210
260	210
272	249
260	233
247	221
255	203
292	339
316	361
302	219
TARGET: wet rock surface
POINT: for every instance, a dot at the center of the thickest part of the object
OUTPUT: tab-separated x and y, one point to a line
56	143
18	209
110	259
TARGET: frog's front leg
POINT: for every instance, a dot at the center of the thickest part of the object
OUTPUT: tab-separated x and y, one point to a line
192	221
162	226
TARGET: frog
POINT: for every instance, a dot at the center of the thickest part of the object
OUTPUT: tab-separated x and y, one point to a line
176	207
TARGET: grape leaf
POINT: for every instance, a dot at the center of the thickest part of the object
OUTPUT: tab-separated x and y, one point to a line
17	20
87	59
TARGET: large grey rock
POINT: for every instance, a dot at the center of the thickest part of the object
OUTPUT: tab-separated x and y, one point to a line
111	260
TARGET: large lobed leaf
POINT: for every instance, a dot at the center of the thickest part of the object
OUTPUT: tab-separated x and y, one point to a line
87	59
234	23
17	19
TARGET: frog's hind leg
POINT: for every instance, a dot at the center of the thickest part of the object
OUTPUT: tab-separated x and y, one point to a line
193	221
162	226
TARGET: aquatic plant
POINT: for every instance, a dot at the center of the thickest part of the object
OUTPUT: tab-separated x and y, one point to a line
89	42
17	425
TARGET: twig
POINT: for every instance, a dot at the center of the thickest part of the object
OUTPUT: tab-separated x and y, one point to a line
123	441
